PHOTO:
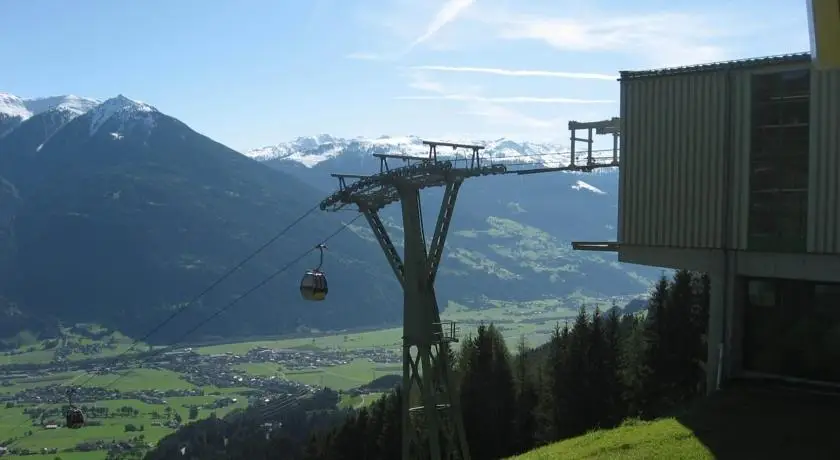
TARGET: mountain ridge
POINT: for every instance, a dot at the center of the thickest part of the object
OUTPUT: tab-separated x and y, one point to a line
123	197
310	151
122	229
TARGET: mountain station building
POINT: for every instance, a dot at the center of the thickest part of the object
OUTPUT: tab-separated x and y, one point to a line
733	169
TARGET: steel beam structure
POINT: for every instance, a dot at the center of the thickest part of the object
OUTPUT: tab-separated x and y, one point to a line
426	340
603	246
433	429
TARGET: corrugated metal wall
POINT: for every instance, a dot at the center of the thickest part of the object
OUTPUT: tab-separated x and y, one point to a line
824	170
674	149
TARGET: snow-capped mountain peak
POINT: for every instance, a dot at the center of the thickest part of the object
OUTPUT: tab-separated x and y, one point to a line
315	141
312	150
15	110
15	106
76	105
123	110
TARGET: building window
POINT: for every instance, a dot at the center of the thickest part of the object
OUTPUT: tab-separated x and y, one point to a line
792	328
779	161
762	293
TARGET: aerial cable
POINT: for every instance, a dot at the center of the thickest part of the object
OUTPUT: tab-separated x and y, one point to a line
192	301
239	298
204	292
221	310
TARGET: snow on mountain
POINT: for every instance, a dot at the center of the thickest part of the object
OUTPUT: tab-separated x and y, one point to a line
312	150
581	185
74	104
118	113
15	110
14	106
122	110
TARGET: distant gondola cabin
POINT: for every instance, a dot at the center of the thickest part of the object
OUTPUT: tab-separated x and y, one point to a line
75	418
313	285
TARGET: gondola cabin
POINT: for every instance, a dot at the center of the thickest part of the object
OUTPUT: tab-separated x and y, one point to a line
75	418
313	285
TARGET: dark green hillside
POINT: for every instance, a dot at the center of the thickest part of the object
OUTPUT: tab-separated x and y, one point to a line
122	231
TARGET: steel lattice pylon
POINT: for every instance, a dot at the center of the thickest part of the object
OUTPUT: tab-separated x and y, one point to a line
426	340
434	428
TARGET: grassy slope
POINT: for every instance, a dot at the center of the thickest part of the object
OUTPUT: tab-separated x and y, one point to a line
665	438
735	424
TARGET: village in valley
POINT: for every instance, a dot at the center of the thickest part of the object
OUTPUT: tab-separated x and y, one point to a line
134	401
134	394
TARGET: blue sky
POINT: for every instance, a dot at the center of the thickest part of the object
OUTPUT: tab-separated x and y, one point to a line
258	72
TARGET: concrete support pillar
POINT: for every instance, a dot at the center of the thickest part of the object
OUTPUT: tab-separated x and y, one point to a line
716	333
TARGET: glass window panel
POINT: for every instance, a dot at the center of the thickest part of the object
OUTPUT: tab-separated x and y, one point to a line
779	161
800	336
795	111
778	174
762	217
796	82
762	293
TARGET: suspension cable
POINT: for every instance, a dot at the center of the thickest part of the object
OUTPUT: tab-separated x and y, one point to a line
235	301
218	281
191	302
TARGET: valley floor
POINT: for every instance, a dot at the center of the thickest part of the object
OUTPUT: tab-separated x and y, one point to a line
340	361
743	422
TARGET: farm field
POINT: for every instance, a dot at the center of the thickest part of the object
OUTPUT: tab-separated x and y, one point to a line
535	320
340	361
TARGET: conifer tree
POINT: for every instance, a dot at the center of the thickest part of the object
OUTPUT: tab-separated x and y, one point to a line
556	402
571	374
683	366
597	374
389	442
652	371
526	400
488	395
614	388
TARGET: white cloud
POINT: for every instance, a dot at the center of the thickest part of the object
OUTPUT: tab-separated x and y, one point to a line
665	38
648	38
491	109
506	100
518	73
445	15
400	25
